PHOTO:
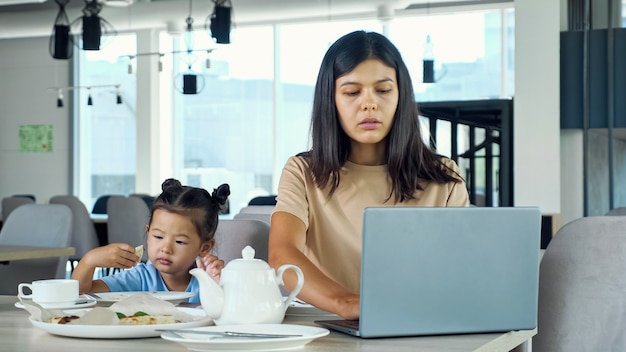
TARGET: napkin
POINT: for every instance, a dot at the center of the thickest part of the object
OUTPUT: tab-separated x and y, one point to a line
151	305
143	302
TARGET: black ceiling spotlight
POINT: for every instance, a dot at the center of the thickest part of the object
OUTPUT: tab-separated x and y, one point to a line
61	40
60	99
118	99
95	29
219	22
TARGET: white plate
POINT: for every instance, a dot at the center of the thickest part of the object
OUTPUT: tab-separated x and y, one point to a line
108	298
197	342
300	308
120	331
81	303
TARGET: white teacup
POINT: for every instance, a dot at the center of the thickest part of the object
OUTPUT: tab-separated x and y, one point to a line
50	294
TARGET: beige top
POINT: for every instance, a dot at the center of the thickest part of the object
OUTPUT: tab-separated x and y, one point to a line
333	240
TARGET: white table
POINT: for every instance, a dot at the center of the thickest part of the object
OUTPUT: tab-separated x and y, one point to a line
17	334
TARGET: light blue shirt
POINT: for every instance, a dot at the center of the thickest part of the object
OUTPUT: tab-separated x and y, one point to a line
145	277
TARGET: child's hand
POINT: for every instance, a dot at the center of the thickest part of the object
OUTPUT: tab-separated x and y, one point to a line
212	265
114	255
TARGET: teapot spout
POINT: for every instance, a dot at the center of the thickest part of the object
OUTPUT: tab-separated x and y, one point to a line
211	294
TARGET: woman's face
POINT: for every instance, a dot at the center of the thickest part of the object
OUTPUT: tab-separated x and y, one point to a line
366	99
174	243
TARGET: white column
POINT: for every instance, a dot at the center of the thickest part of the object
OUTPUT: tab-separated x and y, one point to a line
148	128
536	105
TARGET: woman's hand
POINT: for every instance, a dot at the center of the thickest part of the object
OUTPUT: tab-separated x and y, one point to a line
212	265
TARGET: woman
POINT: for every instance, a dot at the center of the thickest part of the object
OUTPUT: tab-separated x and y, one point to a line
367	150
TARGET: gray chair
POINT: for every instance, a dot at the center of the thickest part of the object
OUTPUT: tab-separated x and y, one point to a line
257	209
620	211
255	216
11	203
127	220
84	236
582	288
233	235
45	225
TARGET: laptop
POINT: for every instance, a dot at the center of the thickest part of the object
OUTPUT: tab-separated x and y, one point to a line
436	271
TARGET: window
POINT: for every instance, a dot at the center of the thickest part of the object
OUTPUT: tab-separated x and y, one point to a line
105	131
253	111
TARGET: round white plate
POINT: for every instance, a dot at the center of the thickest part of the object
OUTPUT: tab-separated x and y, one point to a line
121	331
108	298
197	342
81	303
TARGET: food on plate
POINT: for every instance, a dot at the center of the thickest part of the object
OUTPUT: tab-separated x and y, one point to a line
139	251
138	309
63	320
141	318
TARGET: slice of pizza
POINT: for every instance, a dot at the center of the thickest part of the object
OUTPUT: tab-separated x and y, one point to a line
148	320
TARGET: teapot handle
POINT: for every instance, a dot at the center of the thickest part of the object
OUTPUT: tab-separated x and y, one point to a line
296	290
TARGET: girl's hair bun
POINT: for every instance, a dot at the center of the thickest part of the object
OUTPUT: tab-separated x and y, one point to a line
170	183
221	193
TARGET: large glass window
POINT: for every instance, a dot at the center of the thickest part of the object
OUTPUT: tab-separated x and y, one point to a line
254	105
473	53
106	148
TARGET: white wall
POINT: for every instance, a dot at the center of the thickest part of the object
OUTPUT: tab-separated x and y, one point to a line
26	71
536	105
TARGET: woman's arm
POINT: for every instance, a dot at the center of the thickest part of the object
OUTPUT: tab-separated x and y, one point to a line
287	239
114	255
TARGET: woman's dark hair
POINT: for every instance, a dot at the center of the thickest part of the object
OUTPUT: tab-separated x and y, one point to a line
201	207
408	158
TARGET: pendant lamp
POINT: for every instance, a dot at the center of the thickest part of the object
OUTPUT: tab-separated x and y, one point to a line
95	30
219	22
61	40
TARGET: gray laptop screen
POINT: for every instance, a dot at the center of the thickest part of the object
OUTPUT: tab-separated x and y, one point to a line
449	270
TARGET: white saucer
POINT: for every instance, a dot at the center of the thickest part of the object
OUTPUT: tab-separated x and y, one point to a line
80	303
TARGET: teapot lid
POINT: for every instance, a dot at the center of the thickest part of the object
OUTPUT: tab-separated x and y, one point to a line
247	262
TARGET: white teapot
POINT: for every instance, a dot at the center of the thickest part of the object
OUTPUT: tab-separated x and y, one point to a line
248	292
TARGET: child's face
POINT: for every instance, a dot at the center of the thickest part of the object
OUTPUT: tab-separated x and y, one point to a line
174	243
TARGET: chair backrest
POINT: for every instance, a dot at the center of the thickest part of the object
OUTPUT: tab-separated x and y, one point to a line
582	286
263	200
45	225
257	209
146	198
127	220
256	216
100	206
84	236
620	211
31	196
10	203
233	235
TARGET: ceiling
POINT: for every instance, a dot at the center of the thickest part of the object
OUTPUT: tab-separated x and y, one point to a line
36	19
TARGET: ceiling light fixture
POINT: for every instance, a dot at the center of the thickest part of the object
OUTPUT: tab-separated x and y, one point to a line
60	97
219	22
61	39
94	28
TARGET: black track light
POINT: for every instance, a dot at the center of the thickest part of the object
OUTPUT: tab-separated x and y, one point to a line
60	99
